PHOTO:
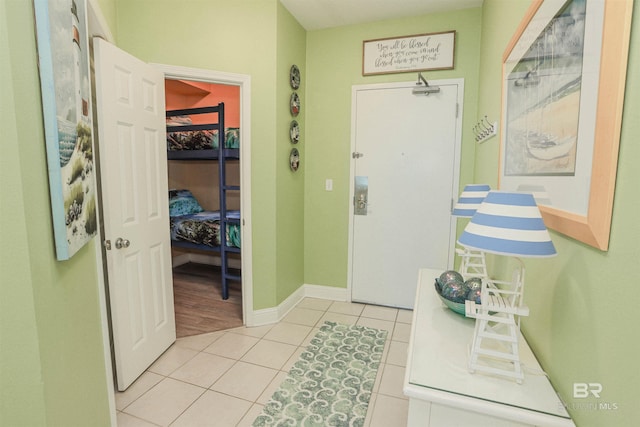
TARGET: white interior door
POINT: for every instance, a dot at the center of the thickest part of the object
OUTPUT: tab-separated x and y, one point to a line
408	152
133	165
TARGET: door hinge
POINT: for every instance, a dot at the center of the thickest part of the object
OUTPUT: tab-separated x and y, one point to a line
356	155
457	109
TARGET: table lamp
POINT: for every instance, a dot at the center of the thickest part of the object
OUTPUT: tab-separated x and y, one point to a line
509	224
473	263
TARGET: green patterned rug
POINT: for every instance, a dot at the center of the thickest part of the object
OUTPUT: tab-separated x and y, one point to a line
331	383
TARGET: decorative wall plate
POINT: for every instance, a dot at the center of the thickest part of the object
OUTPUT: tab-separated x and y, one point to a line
294	77
294	159
295	104
294	132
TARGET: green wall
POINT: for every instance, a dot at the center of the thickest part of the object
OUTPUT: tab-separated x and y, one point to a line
108	10
291	48
53	370
583	325
334	65
22	389
258	38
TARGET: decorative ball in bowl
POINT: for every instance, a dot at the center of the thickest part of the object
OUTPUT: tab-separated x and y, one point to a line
453	290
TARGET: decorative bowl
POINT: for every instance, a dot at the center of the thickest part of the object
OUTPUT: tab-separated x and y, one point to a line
455	306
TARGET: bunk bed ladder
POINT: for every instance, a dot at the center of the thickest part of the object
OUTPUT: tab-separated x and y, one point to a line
224	218
221	154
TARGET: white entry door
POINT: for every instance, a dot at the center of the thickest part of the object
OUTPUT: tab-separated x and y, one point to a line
406	154
133	166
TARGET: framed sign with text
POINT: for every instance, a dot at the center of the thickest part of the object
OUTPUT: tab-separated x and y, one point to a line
420	52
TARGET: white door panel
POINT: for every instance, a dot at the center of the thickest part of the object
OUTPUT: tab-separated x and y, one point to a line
133	163
409	146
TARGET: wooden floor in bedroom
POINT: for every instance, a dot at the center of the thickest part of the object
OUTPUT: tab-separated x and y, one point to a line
198	302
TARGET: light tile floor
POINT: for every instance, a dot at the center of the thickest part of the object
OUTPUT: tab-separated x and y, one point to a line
224	378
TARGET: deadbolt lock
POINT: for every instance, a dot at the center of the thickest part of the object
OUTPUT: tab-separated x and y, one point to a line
361	195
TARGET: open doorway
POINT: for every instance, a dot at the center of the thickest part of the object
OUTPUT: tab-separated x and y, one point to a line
116	361
211	186
243	105
134	171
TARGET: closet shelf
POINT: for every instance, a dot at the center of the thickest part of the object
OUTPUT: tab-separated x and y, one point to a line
182	87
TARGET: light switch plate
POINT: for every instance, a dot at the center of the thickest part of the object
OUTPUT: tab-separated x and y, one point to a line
328	185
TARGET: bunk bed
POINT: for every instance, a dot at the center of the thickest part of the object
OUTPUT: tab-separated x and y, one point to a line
191	226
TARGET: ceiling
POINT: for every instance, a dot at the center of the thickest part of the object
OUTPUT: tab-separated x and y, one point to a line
319	14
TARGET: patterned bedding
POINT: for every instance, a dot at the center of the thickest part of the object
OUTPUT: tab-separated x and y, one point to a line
204	228
198	139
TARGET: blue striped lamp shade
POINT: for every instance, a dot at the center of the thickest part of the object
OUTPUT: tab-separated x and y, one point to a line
470	199
508	224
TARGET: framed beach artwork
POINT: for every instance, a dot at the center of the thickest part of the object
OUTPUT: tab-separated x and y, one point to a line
563	92
63	53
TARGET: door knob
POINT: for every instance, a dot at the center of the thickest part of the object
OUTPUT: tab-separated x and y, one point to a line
122	243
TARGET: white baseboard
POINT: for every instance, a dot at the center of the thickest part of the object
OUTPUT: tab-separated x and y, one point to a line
326	292
271	315
180	260
267	316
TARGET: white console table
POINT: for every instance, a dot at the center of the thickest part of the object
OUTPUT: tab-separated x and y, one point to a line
443	393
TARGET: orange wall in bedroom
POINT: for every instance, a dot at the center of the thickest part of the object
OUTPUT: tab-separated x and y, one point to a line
181	94
201	176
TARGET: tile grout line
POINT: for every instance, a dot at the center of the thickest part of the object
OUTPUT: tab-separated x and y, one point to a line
300	346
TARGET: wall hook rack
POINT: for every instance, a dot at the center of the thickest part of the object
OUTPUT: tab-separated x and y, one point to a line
484	130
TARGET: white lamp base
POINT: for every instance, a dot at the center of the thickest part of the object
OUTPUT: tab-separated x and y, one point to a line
494	348
473	263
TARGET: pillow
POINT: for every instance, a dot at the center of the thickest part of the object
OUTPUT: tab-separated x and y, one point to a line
179	121
182	202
